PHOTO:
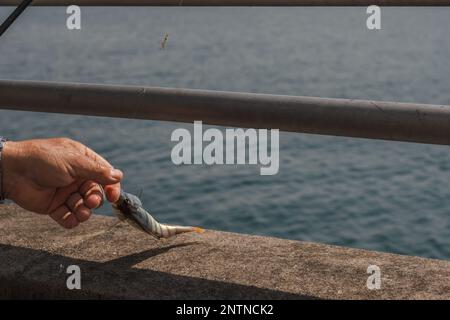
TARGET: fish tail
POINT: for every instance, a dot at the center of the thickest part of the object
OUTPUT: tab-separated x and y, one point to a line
170	231
198	230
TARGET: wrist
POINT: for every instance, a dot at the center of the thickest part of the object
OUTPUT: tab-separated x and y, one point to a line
10	167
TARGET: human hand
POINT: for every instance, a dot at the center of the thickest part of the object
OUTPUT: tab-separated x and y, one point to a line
58	177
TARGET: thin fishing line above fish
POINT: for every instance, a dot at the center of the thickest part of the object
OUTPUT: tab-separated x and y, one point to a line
129	208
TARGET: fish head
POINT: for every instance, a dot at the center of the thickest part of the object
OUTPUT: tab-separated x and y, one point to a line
132	200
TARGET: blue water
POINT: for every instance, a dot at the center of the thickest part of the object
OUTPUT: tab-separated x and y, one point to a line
387	196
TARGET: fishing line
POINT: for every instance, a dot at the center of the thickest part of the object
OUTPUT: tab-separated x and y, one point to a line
14	15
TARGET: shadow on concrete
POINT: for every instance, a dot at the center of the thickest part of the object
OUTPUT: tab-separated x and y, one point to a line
135	258
37	274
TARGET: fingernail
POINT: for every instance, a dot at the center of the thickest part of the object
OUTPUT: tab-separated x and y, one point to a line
100	201
66	215
116	174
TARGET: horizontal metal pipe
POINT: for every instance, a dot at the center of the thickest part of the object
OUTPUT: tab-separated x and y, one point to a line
231	2
340	117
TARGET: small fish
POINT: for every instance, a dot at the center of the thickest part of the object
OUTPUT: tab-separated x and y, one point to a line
129	208
164	41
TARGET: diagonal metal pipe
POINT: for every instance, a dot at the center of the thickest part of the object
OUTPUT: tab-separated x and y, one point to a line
340	117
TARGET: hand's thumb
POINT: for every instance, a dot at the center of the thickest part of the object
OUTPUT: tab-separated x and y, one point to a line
92	170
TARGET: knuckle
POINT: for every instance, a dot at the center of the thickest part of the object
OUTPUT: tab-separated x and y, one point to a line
86	151
61	140
101	168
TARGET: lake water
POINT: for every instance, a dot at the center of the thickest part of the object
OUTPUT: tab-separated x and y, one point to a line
386	196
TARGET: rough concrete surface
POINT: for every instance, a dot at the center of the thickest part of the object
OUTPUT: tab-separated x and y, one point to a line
118	261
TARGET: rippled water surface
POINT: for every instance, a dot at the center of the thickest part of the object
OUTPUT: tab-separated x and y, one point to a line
386	196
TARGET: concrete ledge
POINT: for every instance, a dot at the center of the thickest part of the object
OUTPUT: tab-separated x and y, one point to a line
119	262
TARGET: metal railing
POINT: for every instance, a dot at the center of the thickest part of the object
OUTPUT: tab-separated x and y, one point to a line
232	2
340	117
